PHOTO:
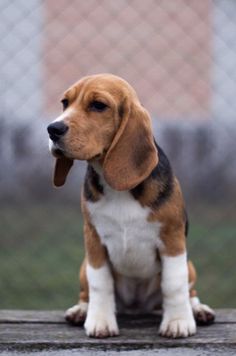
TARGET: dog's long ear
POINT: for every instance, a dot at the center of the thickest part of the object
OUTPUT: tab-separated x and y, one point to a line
61	170
132	155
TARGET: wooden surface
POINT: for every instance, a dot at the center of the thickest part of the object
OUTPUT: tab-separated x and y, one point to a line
46	330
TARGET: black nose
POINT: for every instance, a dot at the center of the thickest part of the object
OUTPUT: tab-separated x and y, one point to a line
56	130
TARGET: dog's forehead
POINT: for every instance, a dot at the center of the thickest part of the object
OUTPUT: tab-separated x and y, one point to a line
109	83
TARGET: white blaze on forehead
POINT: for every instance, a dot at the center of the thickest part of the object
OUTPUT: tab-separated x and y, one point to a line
67	113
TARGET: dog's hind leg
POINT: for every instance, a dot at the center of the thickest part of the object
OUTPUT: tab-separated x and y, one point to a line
77	314
203	314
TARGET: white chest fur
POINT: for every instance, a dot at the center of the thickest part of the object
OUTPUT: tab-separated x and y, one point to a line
131	240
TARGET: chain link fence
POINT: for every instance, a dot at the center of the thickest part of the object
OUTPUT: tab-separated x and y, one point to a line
180	57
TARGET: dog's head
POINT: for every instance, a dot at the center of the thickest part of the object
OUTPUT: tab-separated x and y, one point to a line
103	121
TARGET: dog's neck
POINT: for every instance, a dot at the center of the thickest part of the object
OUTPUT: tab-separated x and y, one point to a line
153	191
97	166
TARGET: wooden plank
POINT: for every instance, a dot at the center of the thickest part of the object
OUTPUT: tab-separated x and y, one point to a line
32	316
30	330
57	316
53	336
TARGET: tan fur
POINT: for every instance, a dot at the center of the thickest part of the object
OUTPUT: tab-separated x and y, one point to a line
120	140
192	279
171	216
91	133
132	154
150	191
84	290
121	136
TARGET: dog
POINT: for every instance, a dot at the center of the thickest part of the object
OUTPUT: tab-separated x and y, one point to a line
135	221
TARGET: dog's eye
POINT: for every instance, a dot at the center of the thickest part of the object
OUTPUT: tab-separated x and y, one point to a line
98	106
65	103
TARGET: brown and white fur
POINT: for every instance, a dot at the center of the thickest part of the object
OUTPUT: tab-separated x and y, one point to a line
135	223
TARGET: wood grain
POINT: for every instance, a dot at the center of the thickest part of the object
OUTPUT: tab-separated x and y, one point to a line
44	330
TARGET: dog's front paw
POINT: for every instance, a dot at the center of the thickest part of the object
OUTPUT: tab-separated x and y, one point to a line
178	327
101	325
77	314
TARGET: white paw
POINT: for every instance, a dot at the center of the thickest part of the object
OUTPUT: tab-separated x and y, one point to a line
203	314
101	325
77	313
178	327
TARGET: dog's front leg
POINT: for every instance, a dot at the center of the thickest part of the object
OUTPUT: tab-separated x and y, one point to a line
101	314
178	320
101	319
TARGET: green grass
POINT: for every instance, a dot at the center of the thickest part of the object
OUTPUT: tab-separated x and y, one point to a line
41	248
212	249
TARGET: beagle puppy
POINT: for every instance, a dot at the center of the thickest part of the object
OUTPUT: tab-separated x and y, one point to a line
135	222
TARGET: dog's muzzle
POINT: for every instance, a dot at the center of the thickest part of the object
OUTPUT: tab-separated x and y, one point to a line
56	130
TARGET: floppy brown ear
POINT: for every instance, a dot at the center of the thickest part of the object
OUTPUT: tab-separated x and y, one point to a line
132	155
61	170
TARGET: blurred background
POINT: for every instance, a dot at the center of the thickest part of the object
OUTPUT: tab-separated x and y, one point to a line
180	56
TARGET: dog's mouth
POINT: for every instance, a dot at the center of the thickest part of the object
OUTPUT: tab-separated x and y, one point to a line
58	153
56	150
